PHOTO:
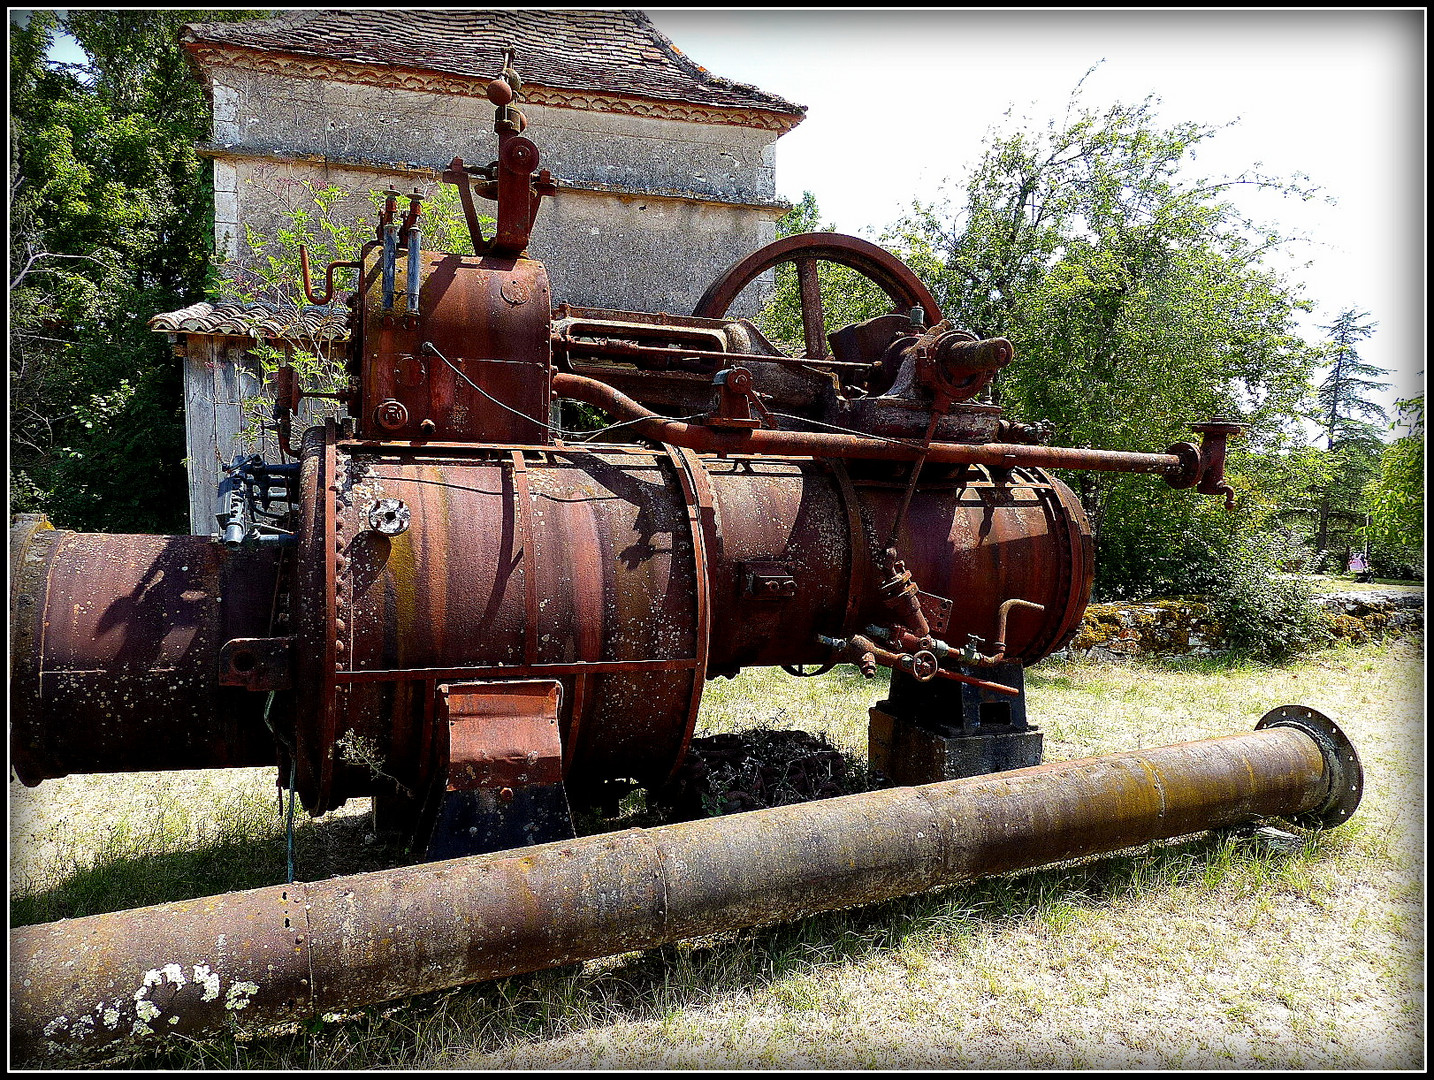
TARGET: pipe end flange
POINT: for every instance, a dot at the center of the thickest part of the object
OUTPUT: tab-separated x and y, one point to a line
1342	766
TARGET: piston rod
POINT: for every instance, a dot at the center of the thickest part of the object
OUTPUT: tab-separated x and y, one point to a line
650	425
289	952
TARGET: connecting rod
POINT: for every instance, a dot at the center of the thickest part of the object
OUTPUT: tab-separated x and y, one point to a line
710	440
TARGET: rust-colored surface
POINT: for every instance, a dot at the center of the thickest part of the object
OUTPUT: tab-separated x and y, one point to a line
277	954
488	318
601	586
628	575
115	643
891	274
173	970
632	572
823	445
502	734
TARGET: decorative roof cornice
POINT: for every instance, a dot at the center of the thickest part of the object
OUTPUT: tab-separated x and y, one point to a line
209	55
777	205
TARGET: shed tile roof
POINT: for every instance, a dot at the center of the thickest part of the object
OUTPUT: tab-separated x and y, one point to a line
615	52
262	321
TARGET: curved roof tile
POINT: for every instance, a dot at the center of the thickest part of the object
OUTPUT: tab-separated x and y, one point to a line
259	320
614	52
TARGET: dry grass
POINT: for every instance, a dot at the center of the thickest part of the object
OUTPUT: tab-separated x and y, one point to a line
1226	951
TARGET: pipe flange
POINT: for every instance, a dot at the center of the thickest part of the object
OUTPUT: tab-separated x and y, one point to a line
1188	474
388	516
1342	766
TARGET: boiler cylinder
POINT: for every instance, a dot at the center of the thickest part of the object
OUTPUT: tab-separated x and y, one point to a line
628	575
114	652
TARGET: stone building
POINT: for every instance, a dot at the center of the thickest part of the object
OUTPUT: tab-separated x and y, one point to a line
665	170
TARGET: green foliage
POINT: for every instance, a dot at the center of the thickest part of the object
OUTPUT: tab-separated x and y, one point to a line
111	222
847	296
1160	542
333	225
1280	483
1394	500
1351	423
1347	413
1262	615
1135	296
1138	302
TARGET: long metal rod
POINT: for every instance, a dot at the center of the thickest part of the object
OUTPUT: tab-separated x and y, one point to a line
819	444
563	340
289	952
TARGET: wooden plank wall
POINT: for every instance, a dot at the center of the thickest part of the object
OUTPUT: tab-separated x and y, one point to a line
219	376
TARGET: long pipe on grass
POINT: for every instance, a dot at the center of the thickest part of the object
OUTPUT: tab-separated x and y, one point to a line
290	952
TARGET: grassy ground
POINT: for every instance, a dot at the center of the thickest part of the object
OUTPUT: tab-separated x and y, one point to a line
1224	951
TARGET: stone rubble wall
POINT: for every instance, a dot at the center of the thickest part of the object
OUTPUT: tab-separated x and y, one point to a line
1186	628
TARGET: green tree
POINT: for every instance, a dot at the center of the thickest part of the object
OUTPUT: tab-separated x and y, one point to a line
1346	409
111	222
1394	500
1138	301
1351	424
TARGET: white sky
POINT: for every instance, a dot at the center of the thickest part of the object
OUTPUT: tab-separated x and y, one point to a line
898	100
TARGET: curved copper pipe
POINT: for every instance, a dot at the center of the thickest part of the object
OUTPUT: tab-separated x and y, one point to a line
328	293
823	445
1002	613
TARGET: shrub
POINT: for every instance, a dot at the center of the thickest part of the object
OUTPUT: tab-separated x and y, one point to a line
1260	614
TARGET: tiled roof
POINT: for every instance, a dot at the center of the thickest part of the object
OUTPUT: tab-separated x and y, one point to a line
264	322
613	52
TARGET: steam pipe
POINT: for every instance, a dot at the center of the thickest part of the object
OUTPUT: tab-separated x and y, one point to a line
289	952
328	293
415	245
390	264
821	444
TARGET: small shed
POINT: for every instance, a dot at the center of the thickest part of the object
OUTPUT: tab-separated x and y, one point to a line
224	401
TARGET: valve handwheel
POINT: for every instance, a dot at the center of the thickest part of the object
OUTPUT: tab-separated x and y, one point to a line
806	250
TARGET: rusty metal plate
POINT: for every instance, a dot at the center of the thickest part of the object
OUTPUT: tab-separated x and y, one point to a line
502	734
937	610
257	663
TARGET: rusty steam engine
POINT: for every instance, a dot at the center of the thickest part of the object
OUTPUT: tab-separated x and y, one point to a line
451	604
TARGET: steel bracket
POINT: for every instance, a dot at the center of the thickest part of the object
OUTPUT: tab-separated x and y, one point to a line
257	663
504	781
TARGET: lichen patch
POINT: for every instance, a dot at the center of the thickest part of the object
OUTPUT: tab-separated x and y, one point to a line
210	979
239	994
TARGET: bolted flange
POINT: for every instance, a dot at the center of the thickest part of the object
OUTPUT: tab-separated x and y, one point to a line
388	516
1346	774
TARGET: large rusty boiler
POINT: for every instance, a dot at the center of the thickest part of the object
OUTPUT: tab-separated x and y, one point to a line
452	603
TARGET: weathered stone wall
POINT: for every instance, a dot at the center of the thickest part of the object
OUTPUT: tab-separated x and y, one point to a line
639	253
269	112
657	207
1185	627
1360	616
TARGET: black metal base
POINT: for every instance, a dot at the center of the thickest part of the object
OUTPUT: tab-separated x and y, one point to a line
926	732
482	820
